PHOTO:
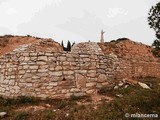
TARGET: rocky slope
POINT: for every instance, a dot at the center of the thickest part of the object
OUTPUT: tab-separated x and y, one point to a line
128	49
9	43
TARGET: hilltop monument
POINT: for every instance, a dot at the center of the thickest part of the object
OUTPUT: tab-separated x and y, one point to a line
102	36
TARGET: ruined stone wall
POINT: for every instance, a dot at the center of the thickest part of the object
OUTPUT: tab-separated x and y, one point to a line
54	75
133	69
26	72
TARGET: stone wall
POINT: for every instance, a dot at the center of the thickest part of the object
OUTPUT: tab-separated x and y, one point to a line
26	72
54	74
134	69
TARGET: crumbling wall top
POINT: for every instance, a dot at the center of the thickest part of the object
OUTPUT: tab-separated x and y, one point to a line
87	47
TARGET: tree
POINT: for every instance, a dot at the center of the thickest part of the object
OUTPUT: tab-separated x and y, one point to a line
69	46
62	44
73	44
154	19
154	22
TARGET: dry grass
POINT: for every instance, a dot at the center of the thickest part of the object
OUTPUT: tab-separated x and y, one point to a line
135	100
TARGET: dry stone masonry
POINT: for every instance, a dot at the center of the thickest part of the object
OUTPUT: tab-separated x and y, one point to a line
55	74
26	72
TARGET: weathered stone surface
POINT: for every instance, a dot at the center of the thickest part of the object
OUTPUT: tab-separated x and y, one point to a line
91	84
61	74
81	71
68	72
99	85
27	58
66	63
41	62
62	58
75	90
35	67
42	58
3	114
92	91
58	73
11	82
80	81
58	68
102	78
42	70
53	84
29	85
79	94
92	73
21	72
44	74
68	95
65	91
105	84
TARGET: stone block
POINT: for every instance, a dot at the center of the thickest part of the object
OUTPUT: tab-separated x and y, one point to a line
102	78
68	72
66	63
21	72
66	83
80	81
58	68
64	91
41	63
25	67
68	95
62	58
52	58
42	70
5	81
12	76
27	58
11	82
33	54
35	67
42	58
35	77
81	71
22	85
27	75
105	84
71	59
66	67
84	56
86	59
56	73
91	84
75	90
43	74
92	91
28	80
79	94
49	54
53	83
99	85
29	84
33	58
16	88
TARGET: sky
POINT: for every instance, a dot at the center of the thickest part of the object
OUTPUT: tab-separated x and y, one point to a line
78	20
